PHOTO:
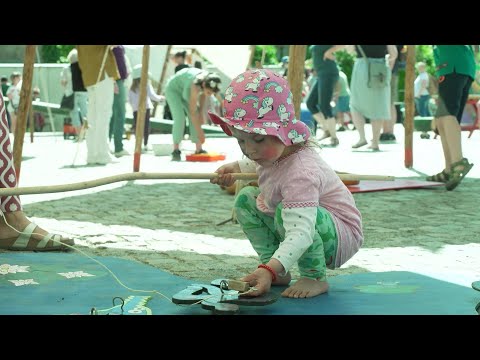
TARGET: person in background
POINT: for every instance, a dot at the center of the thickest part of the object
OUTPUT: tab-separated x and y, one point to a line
5	86
117	122
179	60
284	62
455	66
99	73
183	92
319	101
388	125
38	118
341	99
66	82
134	97
13	94
301	213
420	89
80	101
366	101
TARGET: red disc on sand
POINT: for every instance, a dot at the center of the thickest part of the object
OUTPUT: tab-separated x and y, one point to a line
205	157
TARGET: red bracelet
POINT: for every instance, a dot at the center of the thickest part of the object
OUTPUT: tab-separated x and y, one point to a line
270	270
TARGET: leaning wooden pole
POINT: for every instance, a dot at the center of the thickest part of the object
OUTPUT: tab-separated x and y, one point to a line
251	57
296	74
162	77
142	99
409	105
31	122
156	176
24	106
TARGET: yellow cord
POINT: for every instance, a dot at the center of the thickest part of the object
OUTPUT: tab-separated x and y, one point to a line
104	266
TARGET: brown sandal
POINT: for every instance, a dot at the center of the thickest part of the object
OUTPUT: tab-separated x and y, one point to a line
440	177
458	172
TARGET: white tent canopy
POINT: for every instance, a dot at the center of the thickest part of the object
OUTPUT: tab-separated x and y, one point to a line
230	60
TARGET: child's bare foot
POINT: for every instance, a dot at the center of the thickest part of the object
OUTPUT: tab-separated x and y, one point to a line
283	280
305	288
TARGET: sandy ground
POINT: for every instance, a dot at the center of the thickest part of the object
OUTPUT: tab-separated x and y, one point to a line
171	225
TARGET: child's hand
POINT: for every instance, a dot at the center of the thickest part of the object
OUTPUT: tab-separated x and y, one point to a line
225	177
260	281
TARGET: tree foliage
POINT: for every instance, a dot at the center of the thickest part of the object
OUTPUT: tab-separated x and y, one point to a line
55	53
270	55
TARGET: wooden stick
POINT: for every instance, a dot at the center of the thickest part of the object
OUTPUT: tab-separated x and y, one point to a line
409	105
142	98
162	77
24	105
154	176
296	74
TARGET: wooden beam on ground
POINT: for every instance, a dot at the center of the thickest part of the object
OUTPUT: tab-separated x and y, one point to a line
141	109
409	105
162	77
296	74
156	176
24	105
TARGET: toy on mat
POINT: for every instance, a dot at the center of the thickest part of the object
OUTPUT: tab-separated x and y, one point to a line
205	157
132	305
476	286
221	297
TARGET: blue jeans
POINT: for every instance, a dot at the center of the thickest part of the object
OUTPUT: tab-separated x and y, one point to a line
422	105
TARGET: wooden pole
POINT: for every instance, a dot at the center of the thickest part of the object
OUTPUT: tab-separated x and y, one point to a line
31	121
24	105
252	55
409	105
162	77
141	109
155	176
296	74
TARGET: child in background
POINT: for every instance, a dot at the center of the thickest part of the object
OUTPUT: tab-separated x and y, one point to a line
301	212
5	86
13	94
341	98
133	97
420	87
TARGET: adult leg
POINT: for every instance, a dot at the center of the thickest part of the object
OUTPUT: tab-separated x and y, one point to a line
174	100
146	129
75	115
326	86
118	126
99	115
359	122
313	105
376	129
13	220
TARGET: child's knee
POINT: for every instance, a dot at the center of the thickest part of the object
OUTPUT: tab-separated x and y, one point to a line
246	196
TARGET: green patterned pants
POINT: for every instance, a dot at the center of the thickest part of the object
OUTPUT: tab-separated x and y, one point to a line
266	233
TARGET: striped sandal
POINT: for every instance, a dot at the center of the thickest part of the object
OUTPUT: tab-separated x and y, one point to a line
440	177
50	242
